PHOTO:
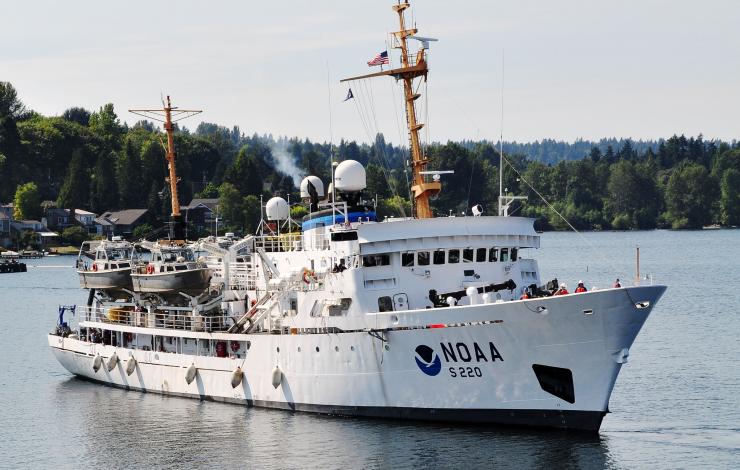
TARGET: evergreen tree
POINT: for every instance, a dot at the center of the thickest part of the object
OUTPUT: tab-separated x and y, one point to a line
730	198
75	190
129	177
103	187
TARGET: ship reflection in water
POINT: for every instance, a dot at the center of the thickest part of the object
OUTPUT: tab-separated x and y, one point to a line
123	429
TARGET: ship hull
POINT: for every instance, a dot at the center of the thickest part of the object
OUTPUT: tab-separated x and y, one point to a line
115	279
191	281
483	372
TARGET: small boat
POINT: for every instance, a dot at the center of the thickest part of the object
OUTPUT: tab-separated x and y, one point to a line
105	264
172	268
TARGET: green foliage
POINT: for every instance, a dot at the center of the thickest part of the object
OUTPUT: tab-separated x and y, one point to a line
75	190
27	202
142	231
395	206
94	162
230	204
74	236
690	195
251	209
297	213
730	198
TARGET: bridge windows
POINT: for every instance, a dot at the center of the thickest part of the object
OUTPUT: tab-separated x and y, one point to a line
370	261
410	259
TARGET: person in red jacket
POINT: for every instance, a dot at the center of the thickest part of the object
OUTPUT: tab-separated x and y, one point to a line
563	290
580	288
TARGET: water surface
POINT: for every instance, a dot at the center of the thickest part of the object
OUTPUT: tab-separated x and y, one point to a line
676	404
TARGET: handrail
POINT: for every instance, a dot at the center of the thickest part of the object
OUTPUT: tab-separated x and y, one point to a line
159	319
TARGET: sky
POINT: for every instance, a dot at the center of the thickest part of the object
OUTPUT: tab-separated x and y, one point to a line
571	69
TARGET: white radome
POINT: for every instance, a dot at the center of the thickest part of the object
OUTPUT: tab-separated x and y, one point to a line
277	209
316	181
349	177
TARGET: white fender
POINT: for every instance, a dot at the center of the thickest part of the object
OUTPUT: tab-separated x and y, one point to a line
131	366
277	377
237	377
190	374
97	363
112	362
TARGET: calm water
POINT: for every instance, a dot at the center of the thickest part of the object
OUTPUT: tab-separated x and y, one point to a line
676	404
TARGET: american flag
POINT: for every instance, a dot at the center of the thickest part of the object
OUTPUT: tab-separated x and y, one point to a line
380	59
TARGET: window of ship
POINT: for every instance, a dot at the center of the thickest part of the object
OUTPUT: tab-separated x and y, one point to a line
454	256
514	254
385	304
343	236
370	261
493	255
124	265
181	267
439	257
422	258
480	255
504	255
407	260
468	255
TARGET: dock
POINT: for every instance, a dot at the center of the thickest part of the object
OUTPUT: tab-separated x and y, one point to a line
12	267
15	255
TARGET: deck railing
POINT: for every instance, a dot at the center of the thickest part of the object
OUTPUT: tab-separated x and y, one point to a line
169	319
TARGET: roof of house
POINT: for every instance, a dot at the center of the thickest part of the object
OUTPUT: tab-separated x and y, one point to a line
83	212
3	216
210	203
124	217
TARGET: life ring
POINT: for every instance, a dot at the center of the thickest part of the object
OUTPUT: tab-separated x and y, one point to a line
308	276
235	346
150	269
94	267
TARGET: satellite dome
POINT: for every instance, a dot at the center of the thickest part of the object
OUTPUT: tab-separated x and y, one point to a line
277	209
316	181
349	177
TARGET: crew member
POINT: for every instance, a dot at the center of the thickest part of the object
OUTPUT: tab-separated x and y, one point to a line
525	295
617	284
580	288
563	290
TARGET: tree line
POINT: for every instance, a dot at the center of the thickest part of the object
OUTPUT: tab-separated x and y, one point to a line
91	160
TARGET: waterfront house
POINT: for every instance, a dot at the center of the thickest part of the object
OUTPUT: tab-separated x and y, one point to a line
121	222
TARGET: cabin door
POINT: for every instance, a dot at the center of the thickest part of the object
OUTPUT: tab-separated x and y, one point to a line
400	302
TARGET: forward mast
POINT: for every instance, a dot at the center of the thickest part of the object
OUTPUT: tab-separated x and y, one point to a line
412	66
165	116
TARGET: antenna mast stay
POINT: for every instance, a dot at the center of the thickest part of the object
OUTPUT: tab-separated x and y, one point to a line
169	115
411	68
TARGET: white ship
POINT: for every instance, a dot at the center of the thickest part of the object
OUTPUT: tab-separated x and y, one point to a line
416	318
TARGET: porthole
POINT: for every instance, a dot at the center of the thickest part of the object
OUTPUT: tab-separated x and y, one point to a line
352	348
317	349
387	348
299	349
336	348
278	349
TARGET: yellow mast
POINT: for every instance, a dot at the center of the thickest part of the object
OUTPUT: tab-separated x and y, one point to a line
165	116
411	68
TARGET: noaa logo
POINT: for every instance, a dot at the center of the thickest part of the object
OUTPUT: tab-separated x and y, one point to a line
428	360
